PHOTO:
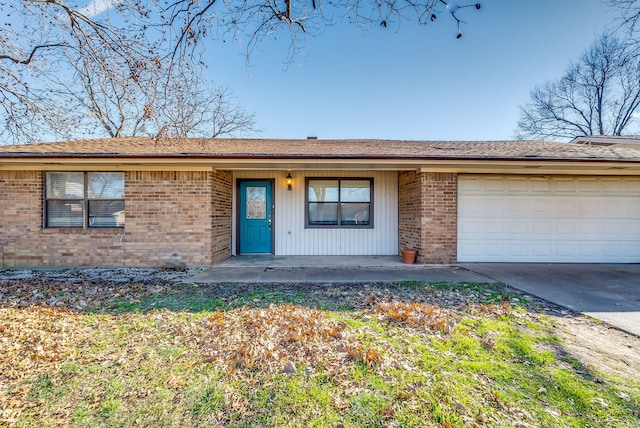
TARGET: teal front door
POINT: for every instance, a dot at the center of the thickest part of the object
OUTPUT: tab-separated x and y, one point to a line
256	211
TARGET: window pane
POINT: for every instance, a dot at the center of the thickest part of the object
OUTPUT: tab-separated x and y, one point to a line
323	190
64	214
355	191
106	213
105	185
65	185
354	213
256	203
323	214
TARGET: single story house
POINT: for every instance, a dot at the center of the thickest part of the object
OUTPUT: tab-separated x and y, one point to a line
148	202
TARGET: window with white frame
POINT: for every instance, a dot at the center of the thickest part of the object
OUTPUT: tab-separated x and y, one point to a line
339	203
84	200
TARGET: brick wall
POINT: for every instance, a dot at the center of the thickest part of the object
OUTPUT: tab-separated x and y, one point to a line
167	217
171	217
428	215
23	241
410	211
21	203
221	215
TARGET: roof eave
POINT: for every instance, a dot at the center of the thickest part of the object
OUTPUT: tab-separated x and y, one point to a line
116	157
425	164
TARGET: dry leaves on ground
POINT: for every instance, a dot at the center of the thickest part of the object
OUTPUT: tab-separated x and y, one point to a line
283	338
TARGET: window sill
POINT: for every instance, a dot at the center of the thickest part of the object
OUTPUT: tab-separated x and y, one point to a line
351	227
72	230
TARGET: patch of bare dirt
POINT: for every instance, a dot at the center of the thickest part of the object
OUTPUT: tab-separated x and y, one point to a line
598	346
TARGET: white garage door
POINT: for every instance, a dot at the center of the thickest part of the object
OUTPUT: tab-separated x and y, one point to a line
548	219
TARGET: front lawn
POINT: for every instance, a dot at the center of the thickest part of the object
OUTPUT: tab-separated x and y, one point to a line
78	353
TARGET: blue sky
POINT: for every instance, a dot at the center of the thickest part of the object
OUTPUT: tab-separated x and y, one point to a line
413	82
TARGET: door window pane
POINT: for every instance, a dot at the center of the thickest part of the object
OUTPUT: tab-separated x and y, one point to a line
256	208
105	185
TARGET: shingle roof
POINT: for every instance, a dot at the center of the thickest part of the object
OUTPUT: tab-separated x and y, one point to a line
326	149
607	140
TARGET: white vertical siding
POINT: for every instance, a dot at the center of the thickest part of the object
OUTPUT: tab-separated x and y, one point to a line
291	237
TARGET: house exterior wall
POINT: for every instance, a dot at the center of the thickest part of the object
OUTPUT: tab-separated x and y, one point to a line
221	215
291	236
171	217
25	243
188	217
428	215
168	217
410	211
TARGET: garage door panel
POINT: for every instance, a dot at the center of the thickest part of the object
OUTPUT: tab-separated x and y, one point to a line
470	250
587	185
540	206
589	250
587	229
632	209
566	228
541	230
518	228
518	207
472	228
563	250
590	209
610	250
488	186
566	208
493	205
549	219
565	186
492	228
517	250
621	230
519	185
540	185
494	249
472	185
471	205
611	186
542	249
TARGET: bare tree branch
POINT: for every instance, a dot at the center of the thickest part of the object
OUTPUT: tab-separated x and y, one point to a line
45	42
598	95
33	52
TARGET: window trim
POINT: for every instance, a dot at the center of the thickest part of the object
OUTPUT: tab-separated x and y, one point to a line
339	202
84	200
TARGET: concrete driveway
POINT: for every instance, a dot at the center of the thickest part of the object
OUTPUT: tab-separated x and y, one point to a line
609	292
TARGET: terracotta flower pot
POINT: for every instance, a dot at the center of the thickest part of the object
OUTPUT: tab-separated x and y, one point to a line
408	256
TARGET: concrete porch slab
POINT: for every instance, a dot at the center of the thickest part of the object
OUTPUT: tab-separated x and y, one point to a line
270	261
329	269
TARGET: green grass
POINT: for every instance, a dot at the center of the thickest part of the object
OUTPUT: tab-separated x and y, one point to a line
136	366
179	302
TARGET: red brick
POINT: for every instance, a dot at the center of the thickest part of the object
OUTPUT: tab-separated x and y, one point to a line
171	216
428	215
